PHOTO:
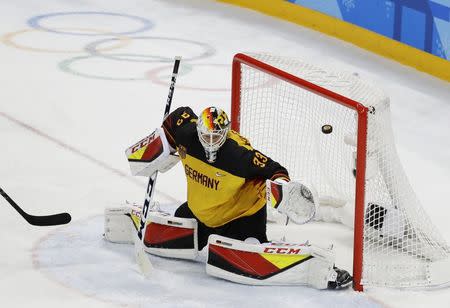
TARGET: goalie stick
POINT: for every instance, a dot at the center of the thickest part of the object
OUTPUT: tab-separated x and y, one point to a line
47	220
141	257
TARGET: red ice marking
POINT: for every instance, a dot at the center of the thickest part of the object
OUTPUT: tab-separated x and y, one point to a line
155	76
78	152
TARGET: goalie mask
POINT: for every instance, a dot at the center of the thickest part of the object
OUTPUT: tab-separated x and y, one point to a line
212	128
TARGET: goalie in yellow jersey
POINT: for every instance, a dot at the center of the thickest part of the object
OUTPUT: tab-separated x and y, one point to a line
229	184
226	177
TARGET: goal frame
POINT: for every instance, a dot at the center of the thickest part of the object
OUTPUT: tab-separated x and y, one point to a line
362	113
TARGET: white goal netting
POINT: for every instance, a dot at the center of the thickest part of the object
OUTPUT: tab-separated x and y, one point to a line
401	246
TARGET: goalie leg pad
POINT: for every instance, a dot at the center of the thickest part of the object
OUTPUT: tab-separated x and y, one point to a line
270	263
170	236
120	223
164	235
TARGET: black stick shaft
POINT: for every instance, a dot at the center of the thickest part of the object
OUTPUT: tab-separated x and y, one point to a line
11	201
176	65
153	177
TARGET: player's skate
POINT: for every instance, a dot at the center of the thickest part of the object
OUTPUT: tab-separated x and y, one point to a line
342	280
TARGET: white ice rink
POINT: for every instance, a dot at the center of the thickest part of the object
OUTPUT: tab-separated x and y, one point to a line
66	117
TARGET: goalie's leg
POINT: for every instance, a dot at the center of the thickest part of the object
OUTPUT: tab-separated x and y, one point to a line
169	236
274	264
164	235
183	211
253	226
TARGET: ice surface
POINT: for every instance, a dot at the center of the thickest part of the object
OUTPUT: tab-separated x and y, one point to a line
66	118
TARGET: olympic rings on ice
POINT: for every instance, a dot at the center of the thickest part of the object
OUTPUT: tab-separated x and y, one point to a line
100	50
154	76
67	67
8	39
35	22
93	49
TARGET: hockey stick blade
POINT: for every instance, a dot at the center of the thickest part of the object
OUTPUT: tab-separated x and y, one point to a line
47	220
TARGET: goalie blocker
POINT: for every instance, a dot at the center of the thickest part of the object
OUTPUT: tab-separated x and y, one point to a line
151	154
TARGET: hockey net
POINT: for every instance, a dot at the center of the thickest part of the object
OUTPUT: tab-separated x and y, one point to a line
281	104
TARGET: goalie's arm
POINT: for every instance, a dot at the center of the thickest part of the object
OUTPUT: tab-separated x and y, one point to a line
156	152
174	124
257	165
296	199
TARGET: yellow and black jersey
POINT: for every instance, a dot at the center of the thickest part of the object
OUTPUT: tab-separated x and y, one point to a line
231	187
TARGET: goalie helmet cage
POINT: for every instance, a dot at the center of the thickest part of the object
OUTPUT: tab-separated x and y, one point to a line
334	131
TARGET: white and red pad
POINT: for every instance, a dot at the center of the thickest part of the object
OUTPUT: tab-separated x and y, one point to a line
153	153
120	223
169	236
164	235
270	263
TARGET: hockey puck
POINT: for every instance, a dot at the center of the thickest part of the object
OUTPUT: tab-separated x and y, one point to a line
327	129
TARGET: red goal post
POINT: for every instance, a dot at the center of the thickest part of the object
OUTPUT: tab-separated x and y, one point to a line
240	59
266	82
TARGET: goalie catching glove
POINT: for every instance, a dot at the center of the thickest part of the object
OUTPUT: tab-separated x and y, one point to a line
294	199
